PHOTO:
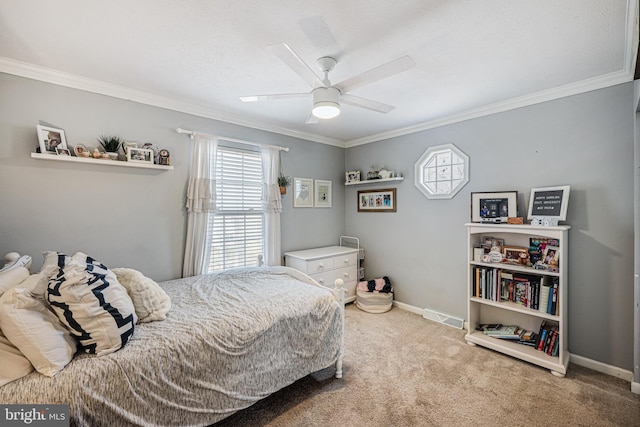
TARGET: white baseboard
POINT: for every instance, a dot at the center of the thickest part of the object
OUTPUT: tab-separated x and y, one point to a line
578	360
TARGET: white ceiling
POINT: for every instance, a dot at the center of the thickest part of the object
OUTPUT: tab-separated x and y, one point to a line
472	57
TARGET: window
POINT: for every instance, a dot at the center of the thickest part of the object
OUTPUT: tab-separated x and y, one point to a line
236	228
442	171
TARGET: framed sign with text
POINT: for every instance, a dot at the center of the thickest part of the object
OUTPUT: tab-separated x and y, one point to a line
549	203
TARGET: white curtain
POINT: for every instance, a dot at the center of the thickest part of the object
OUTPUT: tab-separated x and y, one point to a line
201	202
271	205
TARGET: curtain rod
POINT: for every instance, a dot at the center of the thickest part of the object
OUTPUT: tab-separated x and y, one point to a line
192	133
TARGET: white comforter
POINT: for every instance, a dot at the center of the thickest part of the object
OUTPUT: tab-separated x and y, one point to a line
229	340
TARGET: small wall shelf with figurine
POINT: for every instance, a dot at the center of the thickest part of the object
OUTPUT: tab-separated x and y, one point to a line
105	162
375	181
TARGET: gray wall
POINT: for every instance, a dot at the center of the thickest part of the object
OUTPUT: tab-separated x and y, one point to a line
585	141
135	218
122	216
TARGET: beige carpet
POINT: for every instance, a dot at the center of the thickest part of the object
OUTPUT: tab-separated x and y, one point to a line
403	370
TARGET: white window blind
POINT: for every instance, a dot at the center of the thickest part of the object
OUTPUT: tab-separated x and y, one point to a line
237	226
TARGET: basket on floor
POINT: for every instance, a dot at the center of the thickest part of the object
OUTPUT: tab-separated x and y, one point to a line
375	296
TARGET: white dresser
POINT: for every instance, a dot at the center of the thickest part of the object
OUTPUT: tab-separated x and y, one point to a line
327	264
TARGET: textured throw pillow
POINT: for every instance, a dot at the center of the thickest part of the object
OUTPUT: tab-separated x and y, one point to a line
28	323
14	365
89	301
151	302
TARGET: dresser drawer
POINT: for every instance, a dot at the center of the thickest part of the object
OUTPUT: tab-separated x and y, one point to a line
328	278
346	260
320	265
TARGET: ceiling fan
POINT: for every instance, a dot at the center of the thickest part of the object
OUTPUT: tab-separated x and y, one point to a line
326	96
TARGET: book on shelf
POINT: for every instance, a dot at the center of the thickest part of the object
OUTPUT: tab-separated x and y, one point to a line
544	295
515	336
506	331
528	338
488	326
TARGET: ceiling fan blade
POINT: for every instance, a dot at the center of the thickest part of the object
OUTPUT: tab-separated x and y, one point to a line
256	98
293	61
378	73
312	120
366	103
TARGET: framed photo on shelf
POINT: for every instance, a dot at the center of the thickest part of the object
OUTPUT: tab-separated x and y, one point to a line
549	203
302	193
63	151
514	253
142	155
551	257
50	139
352	176
377	200
322	193
494	207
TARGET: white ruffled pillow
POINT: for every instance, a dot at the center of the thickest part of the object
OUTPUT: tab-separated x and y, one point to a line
149	299
90	303
30	326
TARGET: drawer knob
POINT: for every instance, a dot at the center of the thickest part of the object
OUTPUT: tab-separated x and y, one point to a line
321	265
321	280
346	274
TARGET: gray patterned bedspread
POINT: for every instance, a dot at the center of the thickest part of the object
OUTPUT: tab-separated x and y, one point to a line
229	340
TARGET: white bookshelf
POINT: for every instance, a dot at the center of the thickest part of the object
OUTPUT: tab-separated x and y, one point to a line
481	310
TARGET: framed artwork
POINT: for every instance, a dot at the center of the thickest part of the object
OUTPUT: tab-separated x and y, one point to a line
302	193
549	203
142	155
322	193
50	139
352	176
63	151
377	200
494	207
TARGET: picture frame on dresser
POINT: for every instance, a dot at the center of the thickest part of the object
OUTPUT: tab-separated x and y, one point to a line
303	193
50	139
322	192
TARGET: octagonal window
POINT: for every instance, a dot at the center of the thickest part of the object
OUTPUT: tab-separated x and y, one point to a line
442	171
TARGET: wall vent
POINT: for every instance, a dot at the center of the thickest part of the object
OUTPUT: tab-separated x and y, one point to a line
443	318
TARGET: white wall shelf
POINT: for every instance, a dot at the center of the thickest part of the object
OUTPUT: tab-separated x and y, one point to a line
375	181
105	162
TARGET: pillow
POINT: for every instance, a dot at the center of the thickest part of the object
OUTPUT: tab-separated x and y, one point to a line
89	301
12	277
34	329
150	301
14	365
50	265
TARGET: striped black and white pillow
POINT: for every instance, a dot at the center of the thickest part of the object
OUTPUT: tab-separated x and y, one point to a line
90	303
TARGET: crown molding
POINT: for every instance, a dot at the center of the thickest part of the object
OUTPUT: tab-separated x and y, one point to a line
34	72
587	85
60	78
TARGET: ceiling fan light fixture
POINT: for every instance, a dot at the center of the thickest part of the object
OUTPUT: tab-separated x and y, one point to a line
326	102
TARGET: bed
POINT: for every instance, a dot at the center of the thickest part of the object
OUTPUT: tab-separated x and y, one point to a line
229	340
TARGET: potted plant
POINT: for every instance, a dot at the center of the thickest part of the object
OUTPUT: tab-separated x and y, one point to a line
283	182
111	145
